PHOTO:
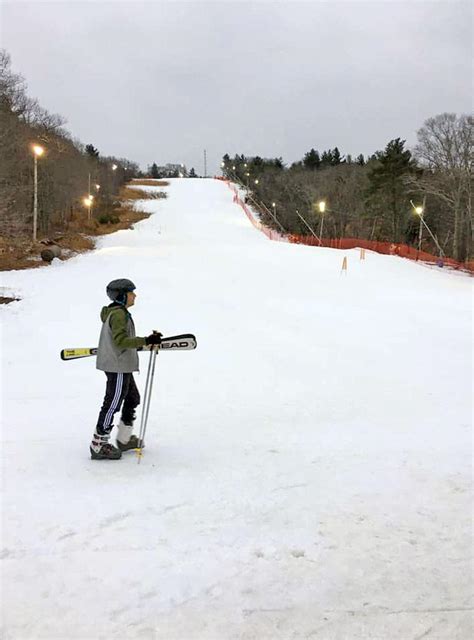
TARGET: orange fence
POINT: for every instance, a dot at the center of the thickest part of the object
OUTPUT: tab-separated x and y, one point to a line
270	233
387	248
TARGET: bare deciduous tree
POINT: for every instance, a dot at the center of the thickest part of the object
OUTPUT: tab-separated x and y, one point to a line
445	150
63	172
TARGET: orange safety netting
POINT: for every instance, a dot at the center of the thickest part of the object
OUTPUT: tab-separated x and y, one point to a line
387	248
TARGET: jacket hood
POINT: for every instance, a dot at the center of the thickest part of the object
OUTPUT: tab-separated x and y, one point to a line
106	311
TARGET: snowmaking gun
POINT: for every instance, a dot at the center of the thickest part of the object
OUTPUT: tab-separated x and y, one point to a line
183	342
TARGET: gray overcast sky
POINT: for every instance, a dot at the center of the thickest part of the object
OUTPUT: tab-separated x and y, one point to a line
161	81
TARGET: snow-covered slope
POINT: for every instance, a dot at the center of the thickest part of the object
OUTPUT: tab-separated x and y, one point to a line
307	467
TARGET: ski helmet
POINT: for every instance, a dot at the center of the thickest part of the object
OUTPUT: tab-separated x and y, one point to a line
117	289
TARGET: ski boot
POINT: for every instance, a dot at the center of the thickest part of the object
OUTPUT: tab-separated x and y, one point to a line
101	449
125	440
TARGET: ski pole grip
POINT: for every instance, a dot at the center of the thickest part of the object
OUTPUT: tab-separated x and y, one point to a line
155	347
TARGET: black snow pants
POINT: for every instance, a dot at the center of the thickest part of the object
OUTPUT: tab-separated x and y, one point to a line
120	388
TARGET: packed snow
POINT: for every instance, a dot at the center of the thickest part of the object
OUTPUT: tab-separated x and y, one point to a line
307	468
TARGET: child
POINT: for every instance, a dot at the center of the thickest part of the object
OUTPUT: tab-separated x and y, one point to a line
117	356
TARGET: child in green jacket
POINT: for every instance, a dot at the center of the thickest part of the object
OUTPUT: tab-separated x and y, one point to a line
117	356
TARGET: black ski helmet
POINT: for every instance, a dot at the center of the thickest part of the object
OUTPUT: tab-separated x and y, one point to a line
117	289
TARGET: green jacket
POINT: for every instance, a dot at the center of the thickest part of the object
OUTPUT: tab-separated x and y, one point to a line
117	351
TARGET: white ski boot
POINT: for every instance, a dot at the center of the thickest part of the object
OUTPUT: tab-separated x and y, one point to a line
125	438
101	449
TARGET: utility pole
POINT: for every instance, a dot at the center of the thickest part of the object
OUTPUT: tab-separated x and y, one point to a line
205	163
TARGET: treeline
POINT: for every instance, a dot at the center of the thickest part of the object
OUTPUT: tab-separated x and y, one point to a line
169	171
378	197
68	171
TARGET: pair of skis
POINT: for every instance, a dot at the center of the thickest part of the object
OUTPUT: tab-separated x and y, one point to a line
183	342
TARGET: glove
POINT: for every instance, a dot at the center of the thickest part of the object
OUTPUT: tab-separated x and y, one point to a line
154	338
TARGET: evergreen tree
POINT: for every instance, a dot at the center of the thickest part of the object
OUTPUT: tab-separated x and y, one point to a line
360	160
154	172
326	158
311	160
92	151
192	173
336	157
227	168
375	156
387	191
297	165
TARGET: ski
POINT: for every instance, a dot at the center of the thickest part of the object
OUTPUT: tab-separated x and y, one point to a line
183	342
73	354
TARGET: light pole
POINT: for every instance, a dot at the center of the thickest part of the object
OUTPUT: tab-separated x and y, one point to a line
419	212
88	203
322	209
114	169
273	215
37	152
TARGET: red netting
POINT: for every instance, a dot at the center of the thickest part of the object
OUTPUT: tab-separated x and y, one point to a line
387	248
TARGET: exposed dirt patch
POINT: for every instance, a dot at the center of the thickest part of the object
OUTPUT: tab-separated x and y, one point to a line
139	194
20	252
7	300
150	182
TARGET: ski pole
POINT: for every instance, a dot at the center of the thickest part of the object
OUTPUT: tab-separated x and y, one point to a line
155	353
147	399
